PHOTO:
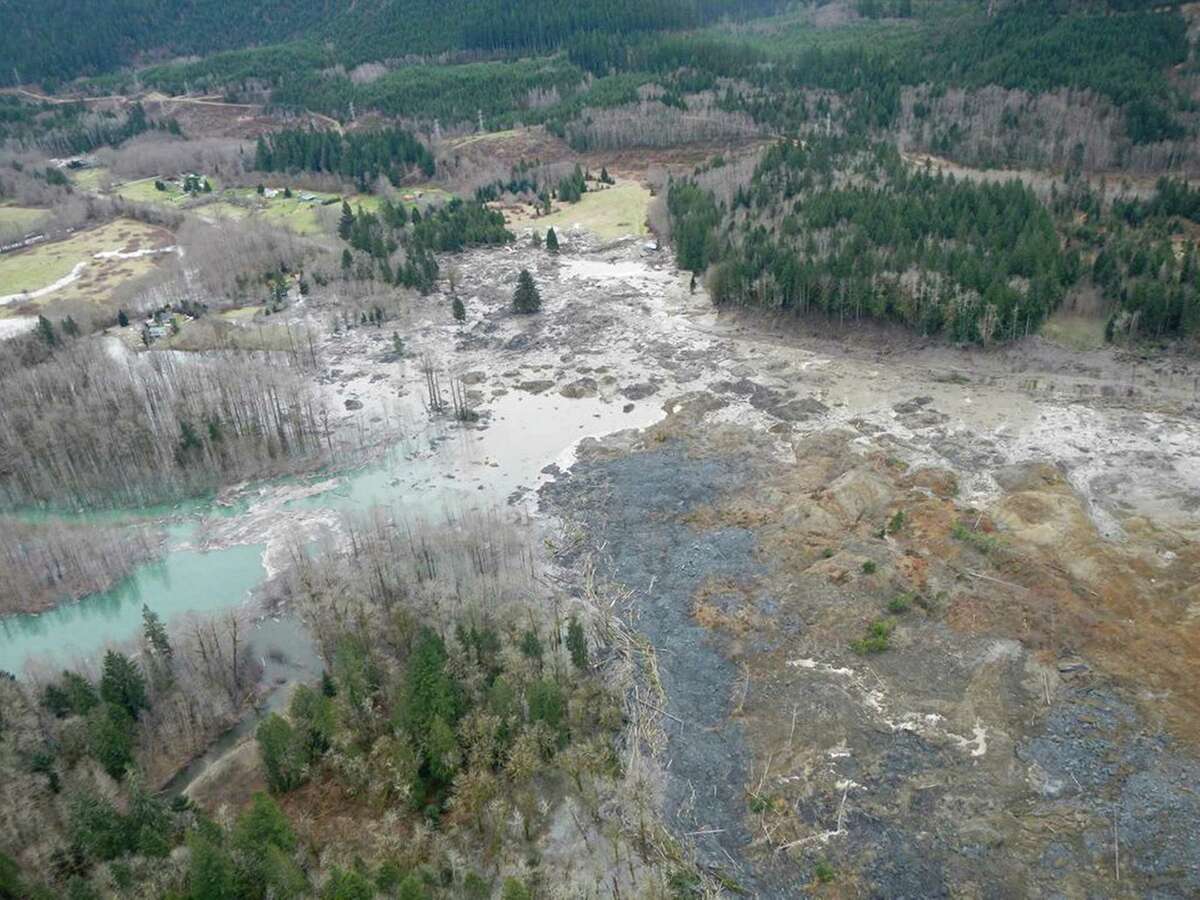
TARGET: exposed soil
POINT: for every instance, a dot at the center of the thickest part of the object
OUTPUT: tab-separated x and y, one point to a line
1035	690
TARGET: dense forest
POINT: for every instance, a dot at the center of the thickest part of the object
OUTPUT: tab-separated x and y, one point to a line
850	231
462	707
1120	55
120	32
397	246
363	157
846	230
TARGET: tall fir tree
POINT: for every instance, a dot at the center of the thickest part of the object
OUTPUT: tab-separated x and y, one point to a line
526	298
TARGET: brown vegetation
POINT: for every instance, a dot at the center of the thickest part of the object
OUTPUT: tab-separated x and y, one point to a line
44	562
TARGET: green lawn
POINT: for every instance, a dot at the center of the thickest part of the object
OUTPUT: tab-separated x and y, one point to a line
44	264
90	179
144	191
20	217
609	214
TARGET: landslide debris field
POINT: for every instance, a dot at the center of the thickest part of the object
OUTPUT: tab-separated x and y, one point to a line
918	621
922	621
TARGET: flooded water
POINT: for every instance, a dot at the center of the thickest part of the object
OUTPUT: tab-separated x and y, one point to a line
624	319
217	555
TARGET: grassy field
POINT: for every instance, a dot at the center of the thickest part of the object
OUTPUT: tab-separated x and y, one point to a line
20	217
609	214
43	265
226	332
304	218
144	191
90	179
1075	331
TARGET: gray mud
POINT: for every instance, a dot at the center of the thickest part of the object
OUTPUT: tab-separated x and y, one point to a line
634	506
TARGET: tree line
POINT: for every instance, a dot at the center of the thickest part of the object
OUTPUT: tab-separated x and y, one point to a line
398	244
80	427
973	262
116	33
363	157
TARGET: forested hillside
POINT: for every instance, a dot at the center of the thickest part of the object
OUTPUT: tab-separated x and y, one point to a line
113	33
852	232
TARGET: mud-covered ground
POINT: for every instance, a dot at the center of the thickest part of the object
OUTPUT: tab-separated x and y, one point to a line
1021	526
1030	728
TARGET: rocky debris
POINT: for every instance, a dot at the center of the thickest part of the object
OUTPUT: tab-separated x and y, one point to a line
635	504
916	414
939	482
580	387
354	404
780	404
944	765
908	407
1028	476
639	391
535	387
860	494
799	410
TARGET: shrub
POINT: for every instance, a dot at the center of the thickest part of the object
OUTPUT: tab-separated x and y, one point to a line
984	543
899	604
876	640
823	871
869	567
577	644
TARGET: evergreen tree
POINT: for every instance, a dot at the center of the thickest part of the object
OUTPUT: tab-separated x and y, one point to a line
577	644
328	685
263	825
347	260
155	634
45	331
276	745
458	309
211	873
551	240
122	318
110	738
526	298
346	223
122	684
81	696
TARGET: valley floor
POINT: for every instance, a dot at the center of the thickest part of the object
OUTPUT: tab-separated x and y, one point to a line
1016	529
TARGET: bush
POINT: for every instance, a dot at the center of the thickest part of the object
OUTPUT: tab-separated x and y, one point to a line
577	644
899	604
823	871
514	889
869	567
876	640
984	543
